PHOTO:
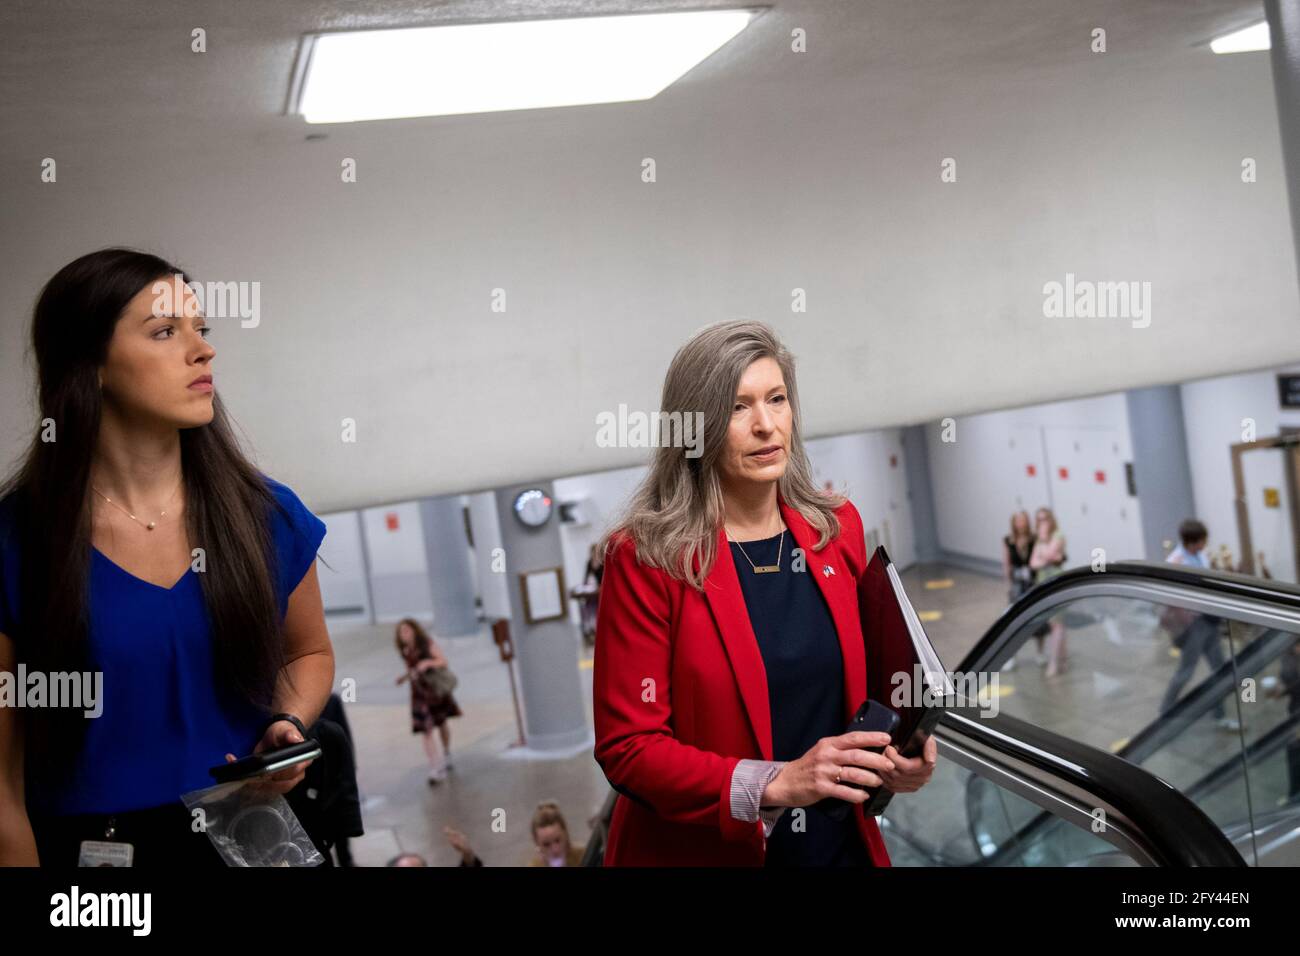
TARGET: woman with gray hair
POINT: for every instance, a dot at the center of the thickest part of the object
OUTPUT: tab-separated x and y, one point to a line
729	653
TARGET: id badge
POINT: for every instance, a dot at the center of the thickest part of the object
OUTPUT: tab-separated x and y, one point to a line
105	853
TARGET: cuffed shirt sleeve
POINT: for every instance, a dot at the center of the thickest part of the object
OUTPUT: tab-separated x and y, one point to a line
748	781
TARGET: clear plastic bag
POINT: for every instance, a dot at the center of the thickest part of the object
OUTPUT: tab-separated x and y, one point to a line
250	826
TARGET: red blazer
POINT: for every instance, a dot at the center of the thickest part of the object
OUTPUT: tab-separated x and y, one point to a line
680	697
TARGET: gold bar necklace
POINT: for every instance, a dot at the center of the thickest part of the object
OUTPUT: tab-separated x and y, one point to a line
763	568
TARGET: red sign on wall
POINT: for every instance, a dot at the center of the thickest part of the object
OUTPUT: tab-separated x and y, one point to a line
1101	477
390	520
1064	473
1030	470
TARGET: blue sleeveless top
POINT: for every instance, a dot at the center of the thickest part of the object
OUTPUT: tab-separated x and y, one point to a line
162	723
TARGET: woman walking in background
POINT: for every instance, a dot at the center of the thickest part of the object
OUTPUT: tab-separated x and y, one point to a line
1017	547
1048	560
591	594
431	701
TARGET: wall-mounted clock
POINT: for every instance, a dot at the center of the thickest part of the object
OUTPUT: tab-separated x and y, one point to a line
533	507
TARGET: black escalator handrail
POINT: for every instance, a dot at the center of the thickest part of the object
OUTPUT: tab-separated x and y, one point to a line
1176	831
1243	587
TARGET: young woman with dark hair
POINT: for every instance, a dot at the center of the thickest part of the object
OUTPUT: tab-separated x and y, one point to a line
430	707
137	541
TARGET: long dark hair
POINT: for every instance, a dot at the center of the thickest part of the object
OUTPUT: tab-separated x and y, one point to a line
227	507
420	644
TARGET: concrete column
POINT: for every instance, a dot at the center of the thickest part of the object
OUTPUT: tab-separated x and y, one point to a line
916	459
546	654
1162	470
486	525
1284	29
451	581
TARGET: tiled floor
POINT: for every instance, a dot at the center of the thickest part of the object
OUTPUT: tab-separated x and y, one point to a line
966	607
403	813
401	810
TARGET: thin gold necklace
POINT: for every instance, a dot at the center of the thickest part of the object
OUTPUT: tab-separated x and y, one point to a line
147	526
760	568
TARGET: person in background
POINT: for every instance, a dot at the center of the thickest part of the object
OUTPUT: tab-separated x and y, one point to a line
1016	550
1195	635
455	838
334	711
1192	538
460	843
551	834
1047	561
420	652
328	803
591	594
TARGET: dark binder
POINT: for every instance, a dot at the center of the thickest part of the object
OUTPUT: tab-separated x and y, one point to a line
896	644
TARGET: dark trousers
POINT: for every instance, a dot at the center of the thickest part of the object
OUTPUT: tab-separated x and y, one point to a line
1200	639
161	836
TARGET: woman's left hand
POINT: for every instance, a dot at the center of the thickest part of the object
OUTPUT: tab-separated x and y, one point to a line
910	773
279	734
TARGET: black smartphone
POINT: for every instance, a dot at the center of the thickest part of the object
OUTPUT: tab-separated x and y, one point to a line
269	761
872	716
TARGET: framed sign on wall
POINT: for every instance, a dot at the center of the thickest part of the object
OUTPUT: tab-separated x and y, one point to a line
543	594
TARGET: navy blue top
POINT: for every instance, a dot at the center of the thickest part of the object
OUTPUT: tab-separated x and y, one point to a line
162	723
805	687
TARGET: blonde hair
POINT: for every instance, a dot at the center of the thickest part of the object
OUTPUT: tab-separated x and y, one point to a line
674	515
546	814
1029	526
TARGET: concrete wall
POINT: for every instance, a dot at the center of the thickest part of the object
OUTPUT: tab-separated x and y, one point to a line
1069	456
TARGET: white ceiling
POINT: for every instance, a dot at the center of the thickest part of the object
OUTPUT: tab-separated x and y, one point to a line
80	72
776	170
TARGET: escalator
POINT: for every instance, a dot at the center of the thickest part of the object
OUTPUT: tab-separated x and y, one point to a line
1008	793
1131	757
1221	752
